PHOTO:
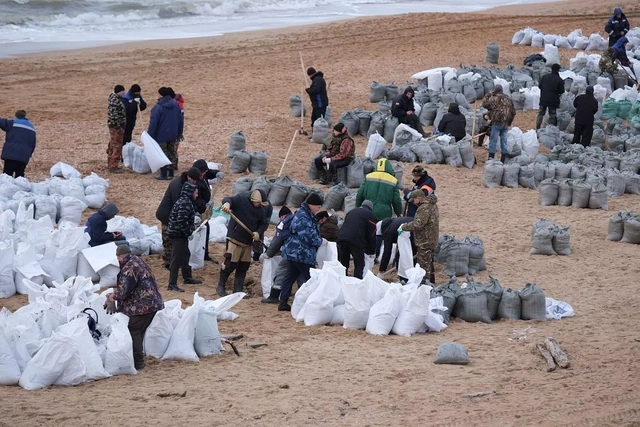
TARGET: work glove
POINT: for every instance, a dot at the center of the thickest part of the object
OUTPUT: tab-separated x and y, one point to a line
327	160
137	100
256	236
180	138
220	175
265	256
226	208
110	306
400	230
197	220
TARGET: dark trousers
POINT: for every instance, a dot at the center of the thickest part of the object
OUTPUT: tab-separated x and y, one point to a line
14	167
347	250
293	271
316	113
333	166
553	117
379	241
413	122
180	255
128	132
583	134
137	327
386	254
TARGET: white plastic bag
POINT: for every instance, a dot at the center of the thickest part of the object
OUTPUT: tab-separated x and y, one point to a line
384	313
9	369
530	143
181	343
49	363
411	319
318	309
64	170
207	339
558	309
197	248
406	253
356	302
269	267
301	296
154	154
79	332
434	321
158	334
375	146
7	285
551	55
328	251
119	357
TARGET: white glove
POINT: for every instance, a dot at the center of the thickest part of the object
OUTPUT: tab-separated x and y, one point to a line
256	236
197	220
220	175
327	160
137	100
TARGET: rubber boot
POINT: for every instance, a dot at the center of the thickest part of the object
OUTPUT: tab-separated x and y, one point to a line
238	284
221	282
503	157
491	156
331	178
170	172
322	177
274	295
163	174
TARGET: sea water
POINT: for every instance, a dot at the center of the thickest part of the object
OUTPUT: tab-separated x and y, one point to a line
41	25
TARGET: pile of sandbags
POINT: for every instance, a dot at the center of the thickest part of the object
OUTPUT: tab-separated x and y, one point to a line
65	337
574	40
461	257
143	239
624	226
330	297
548	238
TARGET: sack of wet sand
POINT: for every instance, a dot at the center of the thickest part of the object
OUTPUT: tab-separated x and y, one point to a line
237	142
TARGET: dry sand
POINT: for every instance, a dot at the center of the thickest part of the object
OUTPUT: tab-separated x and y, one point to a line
329	375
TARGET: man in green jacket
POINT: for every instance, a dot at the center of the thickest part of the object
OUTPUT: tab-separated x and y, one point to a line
381	187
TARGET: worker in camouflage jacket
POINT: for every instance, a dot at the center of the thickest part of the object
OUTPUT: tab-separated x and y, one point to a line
180	229
116	121
425	228
501	112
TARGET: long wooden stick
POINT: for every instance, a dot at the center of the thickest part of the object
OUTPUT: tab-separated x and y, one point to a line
475	118
240	223
478	135
288	152
304	83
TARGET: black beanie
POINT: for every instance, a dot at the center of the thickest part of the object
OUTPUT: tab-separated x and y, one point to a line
339	127
21	114
314	199
164	91
194	173
284	211
118	88
201	164
311	71
135	88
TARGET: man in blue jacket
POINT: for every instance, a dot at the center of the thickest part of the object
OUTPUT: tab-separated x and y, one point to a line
617	26
96	227
300	248
19	145
165	126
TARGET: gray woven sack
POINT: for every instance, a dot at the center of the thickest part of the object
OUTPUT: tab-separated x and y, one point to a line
355	173
241	185
452	155
466	153
548	192
616	226
526	177
631	231
280	190
477	261
437	151
510	175
335	196
424	153
377	92
510	306
457	260
237	142
297	194
240	162
581	191
534	305
471	305
494	292
258	164
451	353
493	171
261	183
561	237
542	238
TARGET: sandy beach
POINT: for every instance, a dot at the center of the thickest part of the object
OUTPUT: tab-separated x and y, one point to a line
311	376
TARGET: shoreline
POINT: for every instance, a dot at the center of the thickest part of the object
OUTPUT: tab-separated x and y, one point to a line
38	49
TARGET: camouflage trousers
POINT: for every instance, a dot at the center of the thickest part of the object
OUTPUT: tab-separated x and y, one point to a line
424	257
170	149
114	150
166	244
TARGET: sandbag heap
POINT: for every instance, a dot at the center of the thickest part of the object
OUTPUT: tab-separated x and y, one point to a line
63	197
574	40
330	297
474	301
133	157
624	226
48	342
461	257
142	239
242	160
547	238
431	150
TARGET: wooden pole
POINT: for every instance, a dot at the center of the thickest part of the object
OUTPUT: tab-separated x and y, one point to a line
475	118
288	152
304	83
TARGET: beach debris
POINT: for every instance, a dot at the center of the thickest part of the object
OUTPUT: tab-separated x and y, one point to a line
553	354
184	394
479	394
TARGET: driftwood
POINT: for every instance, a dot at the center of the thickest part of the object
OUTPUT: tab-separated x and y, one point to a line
560	357
551	365
234	337
172	394
479	394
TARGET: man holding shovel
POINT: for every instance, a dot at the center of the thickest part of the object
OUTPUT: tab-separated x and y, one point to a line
247	219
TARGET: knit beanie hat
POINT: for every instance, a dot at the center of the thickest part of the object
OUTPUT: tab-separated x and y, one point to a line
123	250
194	173
284	211
314	199
311	71
339	127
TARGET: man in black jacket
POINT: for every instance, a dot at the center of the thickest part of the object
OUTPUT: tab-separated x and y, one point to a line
250	211
180	229
357	236
403	108
133	102
318	94
586	108
164	209
453	123
617	26
389	230
421	180
204	194
551	87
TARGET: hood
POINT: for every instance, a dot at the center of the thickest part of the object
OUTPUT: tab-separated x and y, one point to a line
454	109
367	204
187	188
621	41
110	210
408	90
168	102
384	165
318	74
617	11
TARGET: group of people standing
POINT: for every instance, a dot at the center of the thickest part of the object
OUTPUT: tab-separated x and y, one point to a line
166	124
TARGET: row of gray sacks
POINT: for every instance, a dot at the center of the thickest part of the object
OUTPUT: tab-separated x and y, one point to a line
48	341
570	175
624	226
574	40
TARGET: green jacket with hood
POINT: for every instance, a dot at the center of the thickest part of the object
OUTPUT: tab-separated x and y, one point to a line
381	187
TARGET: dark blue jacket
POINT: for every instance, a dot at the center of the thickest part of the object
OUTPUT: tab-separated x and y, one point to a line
21	140
424	180
166	121
304	241
283	231
96	227
248	214
615	26
318	91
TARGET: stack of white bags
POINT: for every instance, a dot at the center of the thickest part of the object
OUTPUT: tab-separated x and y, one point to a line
48	342
381	308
